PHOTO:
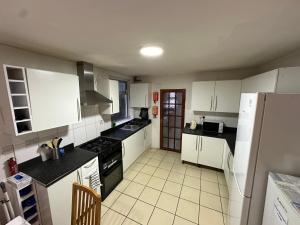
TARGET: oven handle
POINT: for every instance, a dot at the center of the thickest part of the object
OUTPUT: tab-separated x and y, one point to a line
106	173
112	163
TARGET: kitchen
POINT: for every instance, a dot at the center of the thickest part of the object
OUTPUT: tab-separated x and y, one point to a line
189	187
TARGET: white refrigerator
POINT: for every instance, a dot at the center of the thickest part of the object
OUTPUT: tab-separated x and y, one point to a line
268	139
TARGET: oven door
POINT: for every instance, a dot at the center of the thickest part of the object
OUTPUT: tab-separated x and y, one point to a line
111	178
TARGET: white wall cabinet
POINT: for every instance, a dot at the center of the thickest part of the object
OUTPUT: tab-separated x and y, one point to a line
55	201
114	96
140	95
216	96
54	99
282	80
203	150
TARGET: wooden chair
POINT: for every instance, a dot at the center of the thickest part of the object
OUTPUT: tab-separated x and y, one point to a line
86	206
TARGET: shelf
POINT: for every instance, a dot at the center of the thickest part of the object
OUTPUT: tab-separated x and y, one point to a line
15	81
28	207
27	196
31	217
25	120
21	94
23	107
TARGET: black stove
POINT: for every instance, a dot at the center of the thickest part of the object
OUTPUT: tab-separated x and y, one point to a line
110	162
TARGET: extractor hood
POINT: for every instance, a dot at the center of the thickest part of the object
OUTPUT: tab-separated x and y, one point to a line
88	93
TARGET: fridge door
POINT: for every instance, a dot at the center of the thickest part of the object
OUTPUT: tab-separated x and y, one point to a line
238	205
247	140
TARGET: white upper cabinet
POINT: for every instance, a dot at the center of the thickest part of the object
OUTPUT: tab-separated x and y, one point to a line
54	99
227	96
203	93
114	96
216	96
140	95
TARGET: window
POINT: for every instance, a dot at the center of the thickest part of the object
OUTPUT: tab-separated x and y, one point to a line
123	98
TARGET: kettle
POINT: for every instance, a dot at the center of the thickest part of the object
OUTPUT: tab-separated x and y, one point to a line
193	125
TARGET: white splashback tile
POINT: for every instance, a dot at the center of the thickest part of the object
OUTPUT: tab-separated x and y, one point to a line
79	136
91	131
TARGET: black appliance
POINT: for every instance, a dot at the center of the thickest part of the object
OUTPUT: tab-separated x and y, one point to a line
213	127
144	114
110	162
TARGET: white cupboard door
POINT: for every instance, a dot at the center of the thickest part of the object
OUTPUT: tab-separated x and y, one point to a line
227	96
60	199
54	99
211	152
189	150
139	95
129	151
203	95
114	94
148	136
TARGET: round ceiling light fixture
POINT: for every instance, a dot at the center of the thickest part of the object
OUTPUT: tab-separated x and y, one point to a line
151	51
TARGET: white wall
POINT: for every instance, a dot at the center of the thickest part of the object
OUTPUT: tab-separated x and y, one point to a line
185	82
26	146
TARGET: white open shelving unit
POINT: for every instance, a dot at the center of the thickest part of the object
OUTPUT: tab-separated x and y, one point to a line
17	87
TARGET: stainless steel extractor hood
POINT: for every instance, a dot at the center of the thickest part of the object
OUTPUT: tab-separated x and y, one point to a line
88	94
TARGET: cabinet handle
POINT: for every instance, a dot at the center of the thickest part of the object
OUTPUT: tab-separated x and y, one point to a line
78	177
211	102
145	99
112	106
78	110
216	103
124	150
201	143
92	163
197	143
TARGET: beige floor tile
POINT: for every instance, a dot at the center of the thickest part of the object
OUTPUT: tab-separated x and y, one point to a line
143	160
179	168
134	189
148	169
225	219
193	172
181	221
161	173
166	166
209	216
168	160
172	188
150	195
130	174
221	179
153	162
141	212
209	176
176	177
128	221
167	202
188	210
112	218
157	156
137	166
192	182
111	198
156	183
161	217
210	187
104	209
224	191
190	194
210	201
142	178
224	202
123	185
123	204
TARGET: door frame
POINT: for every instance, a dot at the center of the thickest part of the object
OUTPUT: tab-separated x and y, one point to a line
161	117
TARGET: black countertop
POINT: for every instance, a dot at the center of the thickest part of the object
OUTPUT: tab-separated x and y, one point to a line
51	171
120	134
229	134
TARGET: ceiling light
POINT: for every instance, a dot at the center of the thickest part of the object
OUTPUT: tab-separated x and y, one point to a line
151	51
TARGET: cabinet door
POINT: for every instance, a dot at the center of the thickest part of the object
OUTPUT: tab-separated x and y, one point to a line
139	95
114	96
203	95
60	199
227	96
211	152
54	99
189	150
148	136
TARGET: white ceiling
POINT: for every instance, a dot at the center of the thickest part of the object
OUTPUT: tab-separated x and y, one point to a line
197	35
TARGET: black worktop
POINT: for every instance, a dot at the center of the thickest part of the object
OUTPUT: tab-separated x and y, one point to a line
51	171
229	134
119	134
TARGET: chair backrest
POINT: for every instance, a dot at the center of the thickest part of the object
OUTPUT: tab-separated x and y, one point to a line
86	206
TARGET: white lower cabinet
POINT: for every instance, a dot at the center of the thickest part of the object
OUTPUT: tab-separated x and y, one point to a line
55	201
203	150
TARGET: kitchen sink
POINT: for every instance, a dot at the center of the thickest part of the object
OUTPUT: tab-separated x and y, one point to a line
130	127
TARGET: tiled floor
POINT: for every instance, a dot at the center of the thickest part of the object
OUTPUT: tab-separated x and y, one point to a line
159	190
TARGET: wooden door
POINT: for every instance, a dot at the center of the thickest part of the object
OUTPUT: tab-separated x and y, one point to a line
172	107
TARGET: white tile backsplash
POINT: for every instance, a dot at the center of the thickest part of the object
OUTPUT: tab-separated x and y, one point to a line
26	146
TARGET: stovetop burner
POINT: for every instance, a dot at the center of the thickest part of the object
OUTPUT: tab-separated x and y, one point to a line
100	145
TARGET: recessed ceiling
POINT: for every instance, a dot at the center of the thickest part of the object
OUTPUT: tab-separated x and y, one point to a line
196	35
